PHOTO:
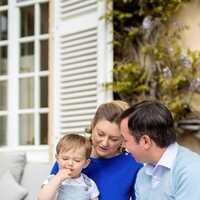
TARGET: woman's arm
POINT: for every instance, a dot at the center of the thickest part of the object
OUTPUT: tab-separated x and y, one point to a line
55	169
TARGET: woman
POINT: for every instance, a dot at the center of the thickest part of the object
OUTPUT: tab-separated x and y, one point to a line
113	171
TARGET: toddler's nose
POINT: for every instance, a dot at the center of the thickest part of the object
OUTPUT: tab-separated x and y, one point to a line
70	162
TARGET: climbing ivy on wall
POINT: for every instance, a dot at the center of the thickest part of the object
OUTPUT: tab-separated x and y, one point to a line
149	59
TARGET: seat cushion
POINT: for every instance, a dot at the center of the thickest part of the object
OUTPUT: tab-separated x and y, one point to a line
10	189
33	177
14	162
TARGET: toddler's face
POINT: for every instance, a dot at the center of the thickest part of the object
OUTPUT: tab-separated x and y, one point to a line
74	160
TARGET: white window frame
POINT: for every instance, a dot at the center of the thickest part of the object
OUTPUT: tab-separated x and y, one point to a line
35	152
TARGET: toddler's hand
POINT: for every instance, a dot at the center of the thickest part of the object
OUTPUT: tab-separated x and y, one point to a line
64	174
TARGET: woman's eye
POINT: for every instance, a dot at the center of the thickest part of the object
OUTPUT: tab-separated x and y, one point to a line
100	133
114	139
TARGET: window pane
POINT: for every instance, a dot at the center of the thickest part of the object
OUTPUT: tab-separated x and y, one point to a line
27	21
27	57
26	129
3	2
3	60
44	26
43	128
44	55
43	92
3	130
22	0
3	25
3	95
26	93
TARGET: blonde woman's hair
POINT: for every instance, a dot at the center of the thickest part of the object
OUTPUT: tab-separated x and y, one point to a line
74	141
110	111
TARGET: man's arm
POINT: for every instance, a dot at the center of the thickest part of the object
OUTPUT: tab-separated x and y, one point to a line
187	184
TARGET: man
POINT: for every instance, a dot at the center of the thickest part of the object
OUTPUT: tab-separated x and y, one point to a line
171	171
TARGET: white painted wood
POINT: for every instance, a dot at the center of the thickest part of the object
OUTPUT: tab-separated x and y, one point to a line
34	152
81	63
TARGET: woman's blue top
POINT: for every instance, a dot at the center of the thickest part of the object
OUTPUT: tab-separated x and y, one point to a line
115	177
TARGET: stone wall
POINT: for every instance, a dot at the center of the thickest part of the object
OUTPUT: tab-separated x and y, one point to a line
190	15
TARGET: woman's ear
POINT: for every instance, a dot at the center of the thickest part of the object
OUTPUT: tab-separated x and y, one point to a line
87	162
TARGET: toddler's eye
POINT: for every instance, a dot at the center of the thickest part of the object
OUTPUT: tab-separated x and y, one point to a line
77	160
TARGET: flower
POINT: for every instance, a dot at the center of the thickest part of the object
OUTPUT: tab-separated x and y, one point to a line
170	51
185	60
150	23
179	26
195	83
146	24
167	72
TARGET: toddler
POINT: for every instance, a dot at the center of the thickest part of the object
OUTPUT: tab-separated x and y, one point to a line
72	154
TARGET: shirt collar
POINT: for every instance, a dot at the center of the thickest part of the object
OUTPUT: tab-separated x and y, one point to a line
166	160
78	180
169	156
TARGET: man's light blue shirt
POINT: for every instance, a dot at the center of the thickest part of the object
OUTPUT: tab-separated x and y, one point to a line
164	163
175	177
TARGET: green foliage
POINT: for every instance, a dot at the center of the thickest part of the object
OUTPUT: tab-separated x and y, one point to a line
149	59
129	78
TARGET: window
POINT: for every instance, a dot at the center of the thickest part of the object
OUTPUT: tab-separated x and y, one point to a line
24	71
3	71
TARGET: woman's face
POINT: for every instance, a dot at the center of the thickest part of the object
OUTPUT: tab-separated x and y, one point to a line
106	139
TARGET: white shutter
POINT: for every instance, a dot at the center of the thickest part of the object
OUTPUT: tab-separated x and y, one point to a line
82	63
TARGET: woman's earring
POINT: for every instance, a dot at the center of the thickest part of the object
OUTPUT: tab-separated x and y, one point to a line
121	149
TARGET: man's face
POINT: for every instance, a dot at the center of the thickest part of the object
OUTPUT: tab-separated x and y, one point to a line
136	149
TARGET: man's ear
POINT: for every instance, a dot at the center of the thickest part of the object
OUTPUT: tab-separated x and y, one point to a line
146	141
87	163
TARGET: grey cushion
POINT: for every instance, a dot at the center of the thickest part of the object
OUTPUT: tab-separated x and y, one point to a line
10	189
33	177
14	162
